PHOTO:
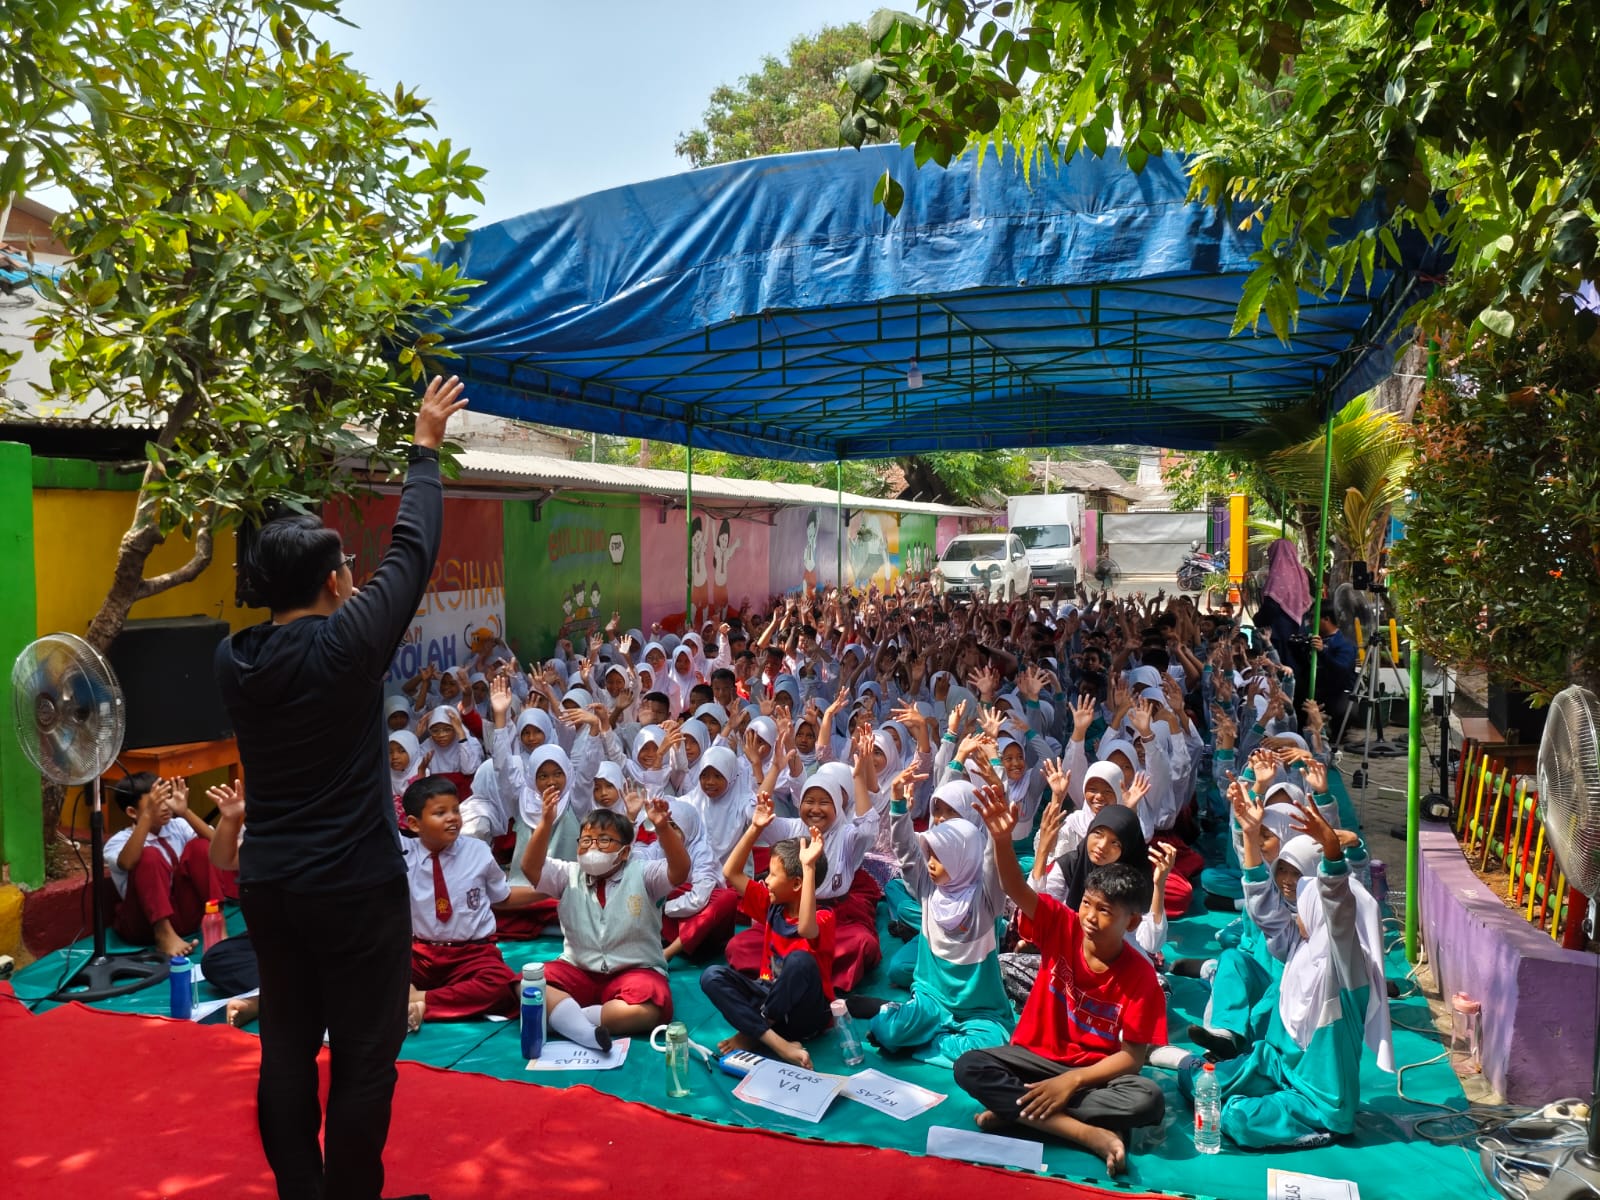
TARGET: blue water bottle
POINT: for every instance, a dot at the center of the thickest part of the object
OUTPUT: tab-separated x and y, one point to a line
532	1022
180	979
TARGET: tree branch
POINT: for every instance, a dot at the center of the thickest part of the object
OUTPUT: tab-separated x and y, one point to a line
198	562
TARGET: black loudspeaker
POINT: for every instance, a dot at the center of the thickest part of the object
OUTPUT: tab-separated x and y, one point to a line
1510	712
169	685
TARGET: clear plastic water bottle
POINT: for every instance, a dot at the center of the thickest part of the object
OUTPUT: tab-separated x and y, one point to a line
677	1060
532	1022
180	981
213	926
845	1030
1207	1111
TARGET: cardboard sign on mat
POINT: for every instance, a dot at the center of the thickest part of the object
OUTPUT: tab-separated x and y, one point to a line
1291	1185
887	1094
789	1089
968	1145
569	1056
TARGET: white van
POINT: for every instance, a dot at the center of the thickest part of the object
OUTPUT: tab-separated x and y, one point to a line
993	565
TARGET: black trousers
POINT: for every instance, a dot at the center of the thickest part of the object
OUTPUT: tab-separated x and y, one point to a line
793	1005
998	1078
340	962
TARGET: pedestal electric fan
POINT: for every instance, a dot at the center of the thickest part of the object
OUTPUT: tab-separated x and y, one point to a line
1569	797
70	722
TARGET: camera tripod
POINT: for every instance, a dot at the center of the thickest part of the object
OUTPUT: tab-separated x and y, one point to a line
1368	687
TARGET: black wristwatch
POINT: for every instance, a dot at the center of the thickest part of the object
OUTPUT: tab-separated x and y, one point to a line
415	453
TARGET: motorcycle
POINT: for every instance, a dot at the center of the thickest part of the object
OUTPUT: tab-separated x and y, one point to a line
1197	564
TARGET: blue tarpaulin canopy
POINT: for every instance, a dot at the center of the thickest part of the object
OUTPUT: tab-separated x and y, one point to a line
769	307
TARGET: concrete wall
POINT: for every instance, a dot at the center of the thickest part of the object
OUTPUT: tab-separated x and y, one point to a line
1539	1001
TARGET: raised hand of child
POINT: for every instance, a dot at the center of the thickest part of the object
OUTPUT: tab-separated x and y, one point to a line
633	799
1137	789
1059	779
764	812
991	721
549	801
1223	731
752	748
229	800
906	782
1082	715
178	797
811	849
1050	822
1264	763
1247	810
1000	817
427	761
659	812
1162	856
958	718
1309	821
1316	775
1142	717
500	699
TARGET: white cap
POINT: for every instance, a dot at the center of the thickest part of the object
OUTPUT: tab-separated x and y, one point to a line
533	972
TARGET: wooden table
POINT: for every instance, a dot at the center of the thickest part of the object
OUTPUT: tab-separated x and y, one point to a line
180	761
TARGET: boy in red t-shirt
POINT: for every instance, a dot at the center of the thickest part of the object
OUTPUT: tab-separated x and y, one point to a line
1072	1068
789	1002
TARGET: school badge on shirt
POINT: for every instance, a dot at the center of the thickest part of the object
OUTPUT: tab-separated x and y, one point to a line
635	906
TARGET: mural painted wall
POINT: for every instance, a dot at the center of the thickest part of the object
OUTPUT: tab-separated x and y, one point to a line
569	568
804	551
872	550
75	537
464	608
730	557
919	537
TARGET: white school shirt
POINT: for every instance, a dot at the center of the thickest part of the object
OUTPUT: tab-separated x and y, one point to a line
174	835
474	881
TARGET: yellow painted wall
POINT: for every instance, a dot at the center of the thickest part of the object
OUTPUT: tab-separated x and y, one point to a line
76	534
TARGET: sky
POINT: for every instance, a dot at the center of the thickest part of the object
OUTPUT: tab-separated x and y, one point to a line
558	100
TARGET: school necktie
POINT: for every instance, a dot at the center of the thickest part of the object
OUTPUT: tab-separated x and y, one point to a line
441	894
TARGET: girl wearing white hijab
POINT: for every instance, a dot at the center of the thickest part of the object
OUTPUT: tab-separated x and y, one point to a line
397	706
852	894
405	765
701	912
647	765
723	800
958	1001
452	751
1301	1084
682	678
527	777
688	755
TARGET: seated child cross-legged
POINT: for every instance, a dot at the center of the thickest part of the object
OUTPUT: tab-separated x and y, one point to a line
161	865
789	1003
456	887
611	977
1072	1068
958	1001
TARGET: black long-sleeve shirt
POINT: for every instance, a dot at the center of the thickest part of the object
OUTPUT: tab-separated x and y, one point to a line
307	705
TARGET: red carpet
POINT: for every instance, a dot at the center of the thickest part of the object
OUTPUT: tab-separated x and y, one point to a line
108	1106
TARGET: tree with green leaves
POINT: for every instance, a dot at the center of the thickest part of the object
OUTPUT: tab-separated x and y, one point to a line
249	224
792	103
1499	568
1471	124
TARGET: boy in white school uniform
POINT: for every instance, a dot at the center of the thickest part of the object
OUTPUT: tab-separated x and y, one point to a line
456	887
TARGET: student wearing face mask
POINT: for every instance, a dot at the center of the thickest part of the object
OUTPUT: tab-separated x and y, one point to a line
611	978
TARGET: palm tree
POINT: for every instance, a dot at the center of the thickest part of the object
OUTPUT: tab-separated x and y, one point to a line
1371	453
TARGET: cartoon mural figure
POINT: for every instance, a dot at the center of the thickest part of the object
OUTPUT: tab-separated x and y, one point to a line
699	568
808	561
871	557
721	559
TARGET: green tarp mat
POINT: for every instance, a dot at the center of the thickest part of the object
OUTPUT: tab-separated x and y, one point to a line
1383	1157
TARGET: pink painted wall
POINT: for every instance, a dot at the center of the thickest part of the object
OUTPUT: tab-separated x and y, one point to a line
662	557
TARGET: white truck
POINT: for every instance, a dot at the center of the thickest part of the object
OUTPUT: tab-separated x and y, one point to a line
1048	528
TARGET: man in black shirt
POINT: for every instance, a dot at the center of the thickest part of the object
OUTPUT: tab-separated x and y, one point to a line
1336	670
321	879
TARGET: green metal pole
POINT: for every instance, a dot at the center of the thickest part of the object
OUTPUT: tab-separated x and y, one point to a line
1414	770
21	833
1322	548
1413	801
688	538
838	522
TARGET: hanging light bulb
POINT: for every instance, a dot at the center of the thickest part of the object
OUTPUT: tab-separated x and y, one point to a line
914	375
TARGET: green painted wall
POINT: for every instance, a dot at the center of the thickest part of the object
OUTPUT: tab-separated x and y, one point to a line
21	832
559	558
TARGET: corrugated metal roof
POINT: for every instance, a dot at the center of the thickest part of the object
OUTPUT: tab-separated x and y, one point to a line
539	471
1086	475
